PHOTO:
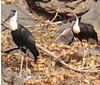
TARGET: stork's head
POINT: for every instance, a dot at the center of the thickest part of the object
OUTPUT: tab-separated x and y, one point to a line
13	20
12	15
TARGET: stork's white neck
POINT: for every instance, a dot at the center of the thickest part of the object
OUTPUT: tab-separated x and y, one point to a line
76	28
13	22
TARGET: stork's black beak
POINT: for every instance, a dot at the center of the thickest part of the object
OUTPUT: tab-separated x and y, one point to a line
7	18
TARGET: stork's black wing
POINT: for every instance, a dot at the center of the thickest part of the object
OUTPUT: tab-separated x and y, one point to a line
87	31
92	32
29	42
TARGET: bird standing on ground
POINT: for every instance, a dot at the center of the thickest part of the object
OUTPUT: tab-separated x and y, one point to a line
21	36
84	31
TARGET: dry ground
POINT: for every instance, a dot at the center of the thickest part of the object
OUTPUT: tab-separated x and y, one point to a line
48	71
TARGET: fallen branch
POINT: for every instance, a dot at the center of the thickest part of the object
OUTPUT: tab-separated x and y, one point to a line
63	63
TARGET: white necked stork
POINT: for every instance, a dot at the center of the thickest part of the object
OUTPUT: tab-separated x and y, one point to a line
21	36
83	30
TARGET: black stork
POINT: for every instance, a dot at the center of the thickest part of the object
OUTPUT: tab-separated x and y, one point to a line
84	31
21	36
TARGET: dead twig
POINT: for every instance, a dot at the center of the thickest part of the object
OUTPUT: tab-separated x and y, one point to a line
83	63
63	63
5	27
55	15
88	67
